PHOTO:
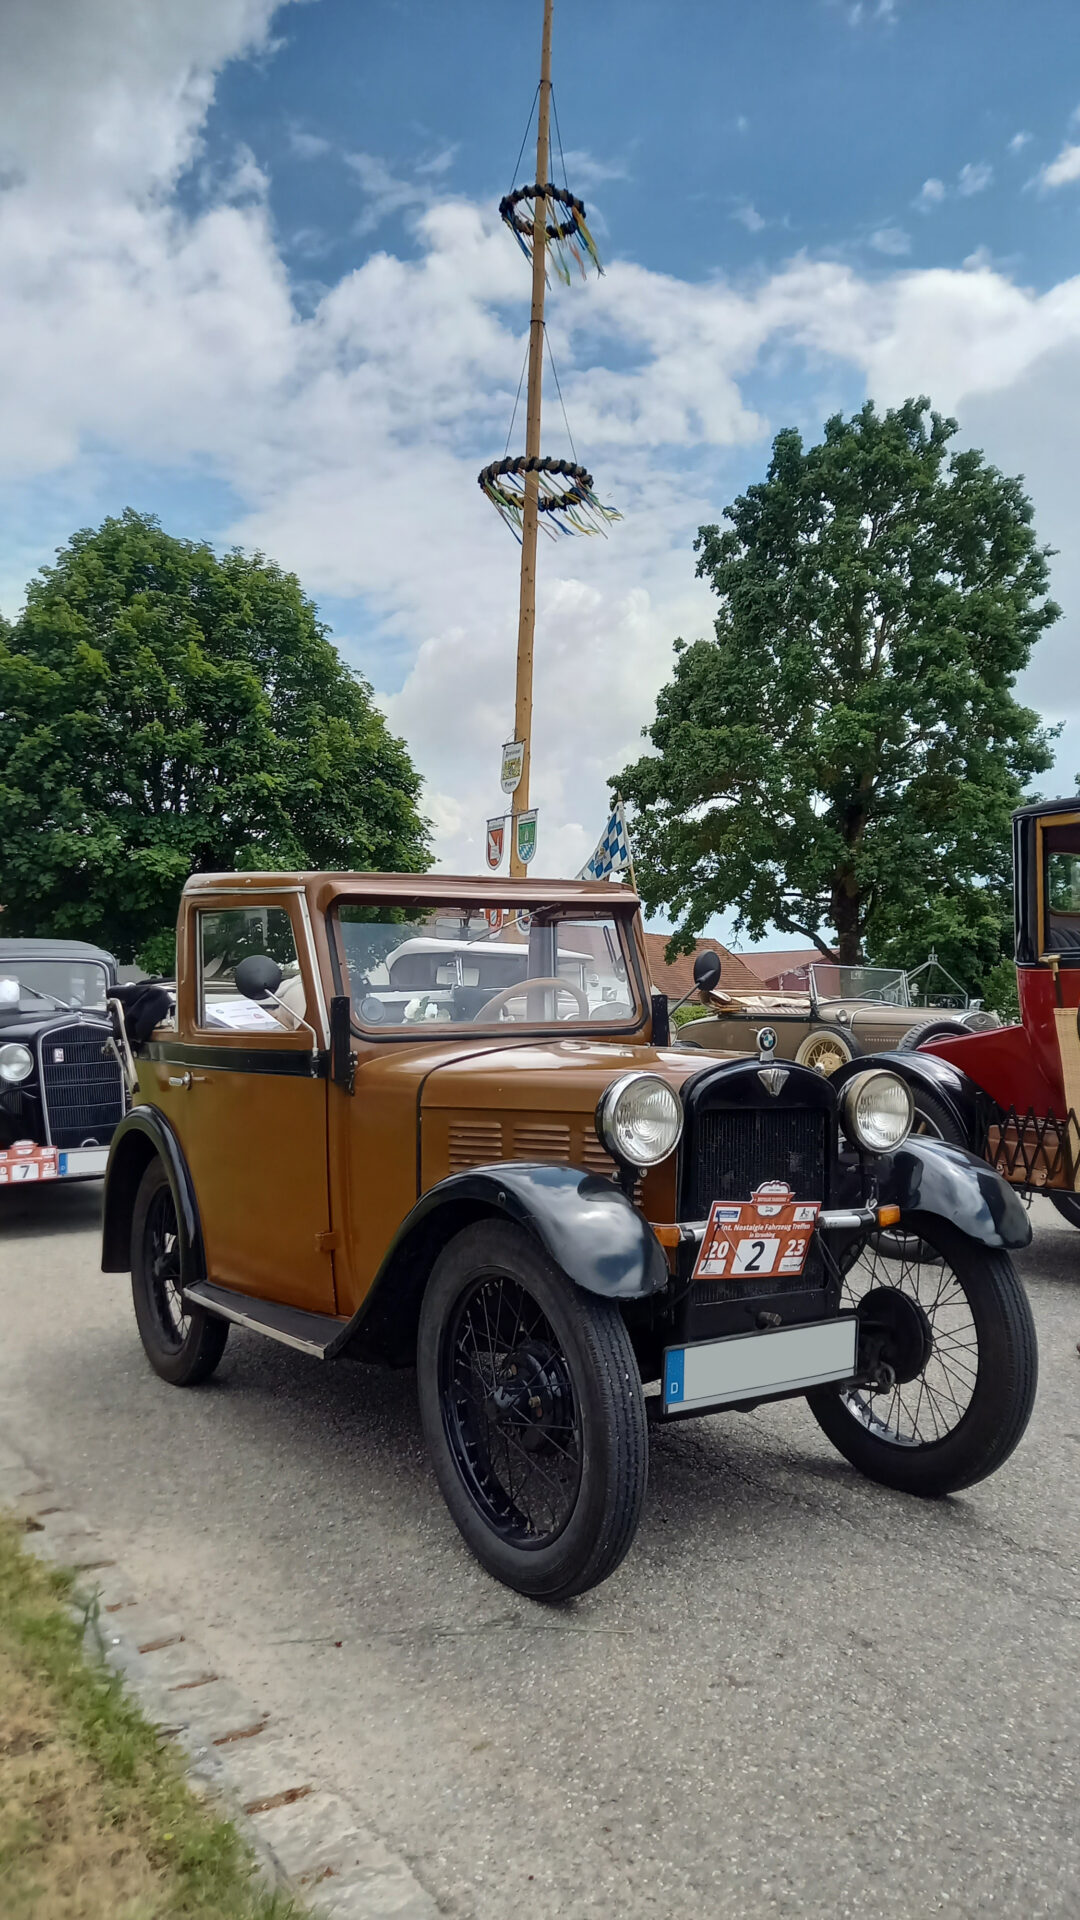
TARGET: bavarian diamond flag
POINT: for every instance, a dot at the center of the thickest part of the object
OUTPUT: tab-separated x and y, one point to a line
612	853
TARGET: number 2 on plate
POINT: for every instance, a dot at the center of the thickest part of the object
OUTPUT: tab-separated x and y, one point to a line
756	1256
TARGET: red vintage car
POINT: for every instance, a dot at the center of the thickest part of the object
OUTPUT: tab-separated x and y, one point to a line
1013	1095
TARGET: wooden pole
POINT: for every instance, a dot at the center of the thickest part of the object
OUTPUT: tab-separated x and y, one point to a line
527	604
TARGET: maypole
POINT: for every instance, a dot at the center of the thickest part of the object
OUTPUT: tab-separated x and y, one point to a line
546	220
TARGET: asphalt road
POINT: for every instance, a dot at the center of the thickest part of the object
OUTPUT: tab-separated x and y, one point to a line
800	1695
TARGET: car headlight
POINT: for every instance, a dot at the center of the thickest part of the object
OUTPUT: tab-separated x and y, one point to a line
877	1110
15	1063
639	1120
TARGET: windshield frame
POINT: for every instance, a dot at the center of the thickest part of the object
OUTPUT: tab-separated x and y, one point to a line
823	999
557	912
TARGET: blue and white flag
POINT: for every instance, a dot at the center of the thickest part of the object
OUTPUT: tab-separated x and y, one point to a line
612	853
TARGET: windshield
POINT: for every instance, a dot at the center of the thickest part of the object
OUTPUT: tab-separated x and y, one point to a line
431	965
26	984
885	984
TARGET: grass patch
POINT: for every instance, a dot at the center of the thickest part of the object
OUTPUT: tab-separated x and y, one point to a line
96	1819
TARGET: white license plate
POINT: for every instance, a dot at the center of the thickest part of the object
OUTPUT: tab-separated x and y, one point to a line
81	1163
753	1366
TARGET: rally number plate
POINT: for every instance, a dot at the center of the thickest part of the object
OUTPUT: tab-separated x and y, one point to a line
767	1235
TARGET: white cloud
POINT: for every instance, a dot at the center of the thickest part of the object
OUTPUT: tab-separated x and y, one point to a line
1019	141
352	436
1062	171
891	240
748	216
930	194
585	170
307	146
975	177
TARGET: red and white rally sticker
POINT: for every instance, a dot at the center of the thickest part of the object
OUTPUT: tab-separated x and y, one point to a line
752	1239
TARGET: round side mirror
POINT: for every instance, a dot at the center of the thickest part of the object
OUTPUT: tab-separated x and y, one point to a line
707	970
257	976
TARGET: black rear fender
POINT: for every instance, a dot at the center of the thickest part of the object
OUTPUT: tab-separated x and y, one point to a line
144	1135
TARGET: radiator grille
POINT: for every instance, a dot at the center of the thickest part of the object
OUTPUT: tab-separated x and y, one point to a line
81	1085
732	1153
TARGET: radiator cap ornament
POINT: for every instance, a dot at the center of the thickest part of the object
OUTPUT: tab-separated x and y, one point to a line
766	1042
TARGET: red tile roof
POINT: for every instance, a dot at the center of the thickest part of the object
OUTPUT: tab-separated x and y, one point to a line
678	979
769	964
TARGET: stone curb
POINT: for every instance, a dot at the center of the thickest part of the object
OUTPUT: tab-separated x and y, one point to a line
304	1836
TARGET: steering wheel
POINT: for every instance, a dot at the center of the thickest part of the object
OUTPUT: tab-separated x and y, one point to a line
495	1005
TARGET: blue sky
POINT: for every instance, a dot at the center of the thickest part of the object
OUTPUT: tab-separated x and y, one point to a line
252	279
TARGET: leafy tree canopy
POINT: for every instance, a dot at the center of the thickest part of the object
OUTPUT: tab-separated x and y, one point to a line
164	711
843	758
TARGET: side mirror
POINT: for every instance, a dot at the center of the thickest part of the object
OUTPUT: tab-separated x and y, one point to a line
707	970
257	976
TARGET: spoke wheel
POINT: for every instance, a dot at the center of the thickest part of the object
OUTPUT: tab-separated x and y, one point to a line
825	1051
183	1347
533	1413
948	1343
510	1411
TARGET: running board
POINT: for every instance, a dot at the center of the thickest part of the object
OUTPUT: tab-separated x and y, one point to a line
318	1334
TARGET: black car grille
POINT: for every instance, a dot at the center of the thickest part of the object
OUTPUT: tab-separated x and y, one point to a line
732	1152
81	1084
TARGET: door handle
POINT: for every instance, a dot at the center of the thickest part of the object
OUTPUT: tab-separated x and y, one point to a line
179	1079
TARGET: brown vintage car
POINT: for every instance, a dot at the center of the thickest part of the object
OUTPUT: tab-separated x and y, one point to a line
845	1012
436	1121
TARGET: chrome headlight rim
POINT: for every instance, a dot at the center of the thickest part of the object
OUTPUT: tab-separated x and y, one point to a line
607	1109
851	1093
16	1063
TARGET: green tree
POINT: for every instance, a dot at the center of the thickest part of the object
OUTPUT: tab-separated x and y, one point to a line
164	711
842	759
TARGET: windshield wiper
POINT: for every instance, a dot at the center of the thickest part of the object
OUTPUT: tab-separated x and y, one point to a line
64	1005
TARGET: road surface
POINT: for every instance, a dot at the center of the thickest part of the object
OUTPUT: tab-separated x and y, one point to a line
800	1695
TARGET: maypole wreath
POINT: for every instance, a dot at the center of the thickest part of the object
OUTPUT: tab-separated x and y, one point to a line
565	501
567	238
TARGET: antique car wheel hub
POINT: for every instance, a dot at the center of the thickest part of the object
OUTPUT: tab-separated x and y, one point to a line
894	1332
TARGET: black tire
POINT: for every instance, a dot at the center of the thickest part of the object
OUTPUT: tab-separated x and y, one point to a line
930	1030
934	1120
1068	1205
972	1397
184	1348
544	1359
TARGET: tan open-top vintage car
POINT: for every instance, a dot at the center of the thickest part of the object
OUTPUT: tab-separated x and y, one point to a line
843	1013
437	1121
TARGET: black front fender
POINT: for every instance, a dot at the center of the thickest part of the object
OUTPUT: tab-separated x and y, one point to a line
586	1225
145	1134
930	1176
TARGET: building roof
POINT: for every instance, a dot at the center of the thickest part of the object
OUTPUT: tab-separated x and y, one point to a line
770	963
678	979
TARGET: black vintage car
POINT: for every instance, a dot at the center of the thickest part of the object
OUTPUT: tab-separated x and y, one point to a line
62	1091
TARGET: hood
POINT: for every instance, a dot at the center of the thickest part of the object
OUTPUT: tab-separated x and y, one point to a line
23	1025
563	1076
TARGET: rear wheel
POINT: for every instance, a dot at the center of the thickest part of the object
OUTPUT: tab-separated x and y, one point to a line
183	1347
950	1332
533	1412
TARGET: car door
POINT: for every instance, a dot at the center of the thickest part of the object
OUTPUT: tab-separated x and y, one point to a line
247	1104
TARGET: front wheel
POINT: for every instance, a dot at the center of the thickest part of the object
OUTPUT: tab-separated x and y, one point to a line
533	1412
1068	1205
955	1357
182	1346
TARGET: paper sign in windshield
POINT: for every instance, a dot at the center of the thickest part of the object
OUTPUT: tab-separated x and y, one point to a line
768	1234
